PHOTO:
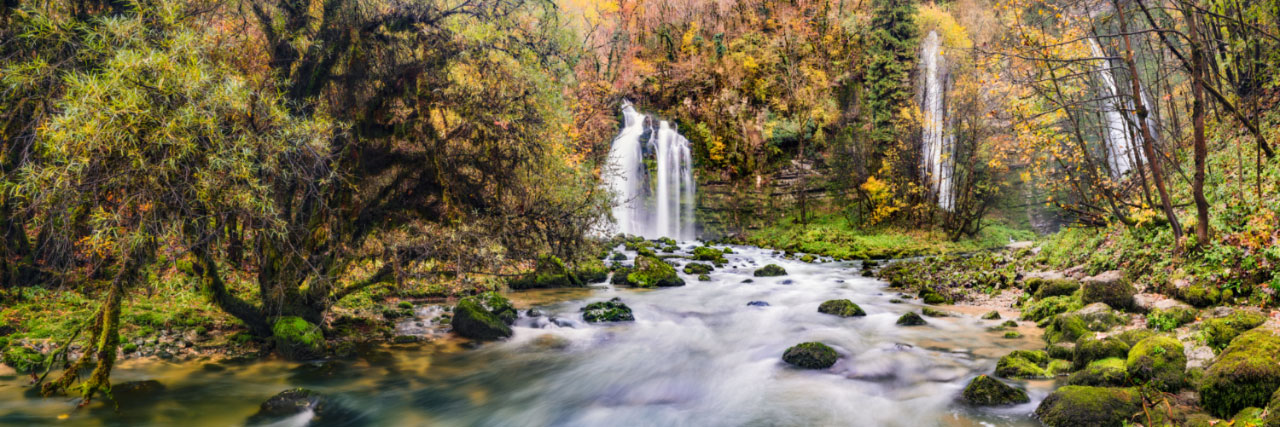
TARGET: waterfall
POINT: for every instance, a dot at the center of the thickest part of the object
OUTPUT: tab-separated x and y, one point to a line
1120	143
937	145
667	210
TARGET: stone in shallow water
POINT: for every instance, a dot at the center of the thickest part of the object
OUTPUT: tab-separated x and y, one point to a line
911	319
988	391
810	355
758	304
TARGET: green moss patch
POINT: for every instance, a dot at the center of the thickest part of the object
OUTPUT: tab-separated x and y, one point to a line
1101	373
841	307
988	391
771	270
607	311
1073	405
297	339
1246	374
810	355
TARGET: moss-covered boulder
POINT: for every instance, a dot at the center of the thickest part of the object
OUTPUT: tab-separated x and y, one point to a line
289	403
651	272
810	355
1159	362
1047	308
1084	406
697	268
1056	287
1246	374
841	307
1218	332
1273	411
297	339
933	312
987	391
809	258
931	296
1132	336
704	278
25	360
1071	326
707	253
770	270
591	271
991	315
1200	294
487	316
1024	364
1108	372
1109	288
1168	319
548	272
1089	348
911	319
607	311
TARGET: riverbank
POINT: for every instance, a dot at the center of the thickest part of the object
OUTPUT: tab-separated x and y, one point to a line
835	236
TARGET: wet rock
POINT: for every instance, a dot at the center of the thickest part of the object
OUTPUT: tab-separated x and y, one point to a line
563	323
911	319
1073	406
1159	362
748	281
704	278
706	253
1012	334
483	317
810	355
296	401
23	359
1219	331
787	282
1055	287
1199	357
1109	288
933	312
1095	317
697	268
988	391
297	339
758	304
1089	349
991	315
1108	372
771	270
653	272
533	312
1024	364
841	307
1049	307
1246	374
607	311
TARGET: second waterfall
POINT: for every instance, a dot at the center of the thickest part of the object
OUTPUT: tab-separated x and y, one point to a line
651	199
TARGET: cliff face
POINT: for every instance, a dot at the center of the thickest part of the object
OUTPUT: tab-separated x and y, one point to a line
728	208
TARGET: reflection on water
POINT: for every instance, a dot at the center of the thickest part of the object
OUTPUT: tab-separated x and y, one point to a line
696	355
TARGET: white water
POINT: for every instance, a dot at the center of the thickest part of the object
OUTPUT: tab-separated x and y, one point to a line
938	145
667	210
1121	140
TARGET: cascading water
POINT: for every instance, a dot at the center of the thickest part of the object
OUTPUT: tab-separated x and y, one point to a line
937	144
667	210
1121	143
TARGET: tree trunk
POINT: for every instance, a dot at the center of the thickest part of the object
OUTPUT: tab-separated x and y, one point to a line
1197	120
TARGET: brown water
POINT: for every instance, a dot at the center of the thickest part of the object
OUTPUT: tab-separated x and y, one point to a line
696	355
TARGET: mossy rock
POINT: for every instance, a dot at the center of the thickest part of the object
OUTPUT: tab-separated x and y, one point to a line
1012	334
1109	372
930	296
1109	288
933	312
704	278
810	355
1246	374
1023	364
1158	362
1056	287
620	275
1248	417
25	360
291	402
1084	406
841	307
1273	411
1132	336
548	272
1200	295
697	268
911	319
607	311
1218	332
298	339
809	258
483	317
1165	320
652	272
1061	350
987	391
1089	349
618	256
991	315
591	271
771	270
1071	326
1065	327
706	253
1049	307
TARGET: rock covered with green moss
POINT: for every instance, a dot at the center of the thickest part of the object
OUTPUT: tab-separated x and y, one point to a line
1159	362
1109	288
1047	308
1084	406
841	307
612	310
771	270
1108	372
297	339
1071	326
991	315
1024	364
697	268
1168	319
1056	287
487	316
1219	331
1090	348
810	355
1198	294
987	391
1245	374
707	253
23	359
288	403
911	319
651	272
1273	411
548	272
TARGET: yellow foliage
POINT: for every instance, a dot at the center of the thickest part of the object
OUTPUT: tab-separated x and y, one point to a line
880	197
954	35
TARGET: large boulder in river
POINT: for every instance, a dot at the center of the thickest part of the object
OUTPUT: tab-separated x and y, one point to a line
1084	406
25	360
298	339
1029	364
1053	287
841	307
988	391
770	270
1159	362
1245	374
651	272
485	317
911	319
1109	288
607	311
1220	331
293	402
810	355
1101	373
1090	348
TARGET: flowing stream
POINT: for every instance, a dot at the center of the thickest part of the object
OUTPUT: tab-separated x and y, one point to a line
696	355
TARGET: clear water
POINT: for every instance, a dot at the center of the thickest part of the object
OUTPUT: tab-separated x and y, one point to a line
696	355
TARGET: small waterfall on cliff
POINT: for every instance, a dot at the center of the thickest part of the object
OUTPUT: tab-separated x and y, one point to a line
1120	142
660	204
938	145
